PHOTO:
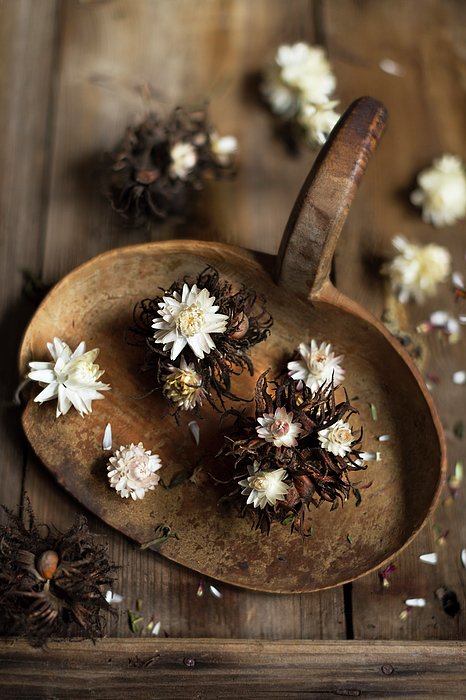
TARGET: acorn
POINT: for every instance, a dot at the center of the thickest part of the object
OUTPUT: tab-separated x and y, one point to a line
47	563
242	327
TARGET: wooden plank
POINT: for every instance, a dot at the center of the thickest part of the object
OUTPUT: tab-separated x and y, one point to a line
27	40
107	52
201	668
426	118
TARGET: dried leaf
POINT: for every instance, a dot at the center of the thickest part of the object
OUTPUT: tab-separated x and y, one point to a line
458	429
133	621
373	411
200	589
162	533
348	537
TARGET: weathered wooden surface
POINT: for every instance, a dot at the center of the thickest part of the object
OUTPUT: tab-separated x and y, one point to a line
204	669
73	75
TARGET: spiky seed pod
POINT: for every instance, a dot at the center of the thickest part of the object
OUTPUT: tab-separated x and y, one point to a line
156	170
52	584
248	323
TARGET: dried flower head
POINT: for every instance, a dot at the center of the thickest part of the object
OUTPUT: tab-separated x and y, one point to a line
72	377
310	468
156	171
442	191
298	86
416	272
52	583
131	471
212	325
263	487
317	365
183	386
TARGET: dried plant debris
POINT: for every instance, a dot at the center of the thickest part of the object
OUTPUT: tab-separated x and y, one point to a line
157	169
298	450
52	584
197	336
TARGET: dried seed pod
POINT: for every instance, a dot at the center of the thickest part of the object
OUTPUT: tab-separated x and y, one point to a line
242	322
47	563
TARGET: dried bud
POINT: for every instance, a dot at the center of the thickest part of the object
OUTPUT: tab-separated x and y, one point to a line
47	563
304	487
242	326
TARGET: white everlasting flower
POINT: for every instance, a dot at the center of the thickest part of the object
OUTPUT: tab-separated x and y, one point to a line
183	385
442	191
223	148
306	69
318	120
72	377
417	271
336	439
279	428
188	319
317	366
183	160
131	471
263	487
282	99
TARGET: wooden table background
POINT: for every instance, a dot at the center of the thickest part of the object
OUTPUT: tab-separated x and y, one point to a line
73	75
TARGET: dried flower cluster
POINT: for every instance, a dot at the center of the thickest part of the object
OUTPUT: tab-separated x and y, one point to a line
297	86
298	450
52	584
72	377
197	336
155	172
416	272
442	191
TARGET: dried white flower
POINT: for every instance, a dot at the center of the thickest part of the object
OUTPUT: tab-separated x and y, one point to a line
317	366
417	271
72	377
183	385
188	319
282	99
183	160
279	428
337	439
131	471
306	69
442	191
318	120
264	487
223	148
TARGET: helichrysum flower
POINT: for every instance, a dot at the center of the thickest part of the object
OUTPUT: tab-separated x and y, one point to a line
183	160
337	439
318	120
188	319
317	365
417	271
72	377
442	191
131	471
264	487
183	385
306	69
223	148
279	428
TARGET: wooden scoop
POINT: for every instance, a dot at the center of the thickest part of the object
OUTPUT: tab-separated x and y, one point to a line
95	303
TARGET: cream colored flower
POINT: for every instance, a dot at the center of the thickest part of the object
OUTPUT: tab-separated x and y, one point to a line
188	319
183	385
442	191
317	366
318	120
282	99
223	148
131	471
279	428
306	69
417	271
72	377
264	487
336	439
183	160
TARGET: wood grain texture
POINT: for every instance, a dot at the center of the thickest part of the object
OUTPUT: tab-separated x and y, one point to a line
205	669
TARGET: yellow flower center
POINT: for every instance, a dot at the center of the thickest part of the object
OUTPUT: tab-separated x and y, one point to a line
343	435
190	320
259	483
318	358
279	427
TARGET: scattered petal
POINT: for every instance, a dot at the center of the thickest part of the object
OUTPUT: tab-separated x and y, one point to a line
459	377
215	592
371	456
111	597
383	438
415	602
392	67
385	573
404	613
430	558
195	431
373	412
463	557
157	628
200	589
107	440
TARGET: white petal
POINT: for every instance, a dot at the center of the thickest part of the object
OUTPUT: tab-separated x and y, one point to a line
194	428
107	439
463	557
459	377
429	558
416	602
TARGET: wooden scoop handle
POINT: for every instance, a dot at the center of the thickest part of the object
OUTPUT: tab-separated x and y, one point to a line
311	234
